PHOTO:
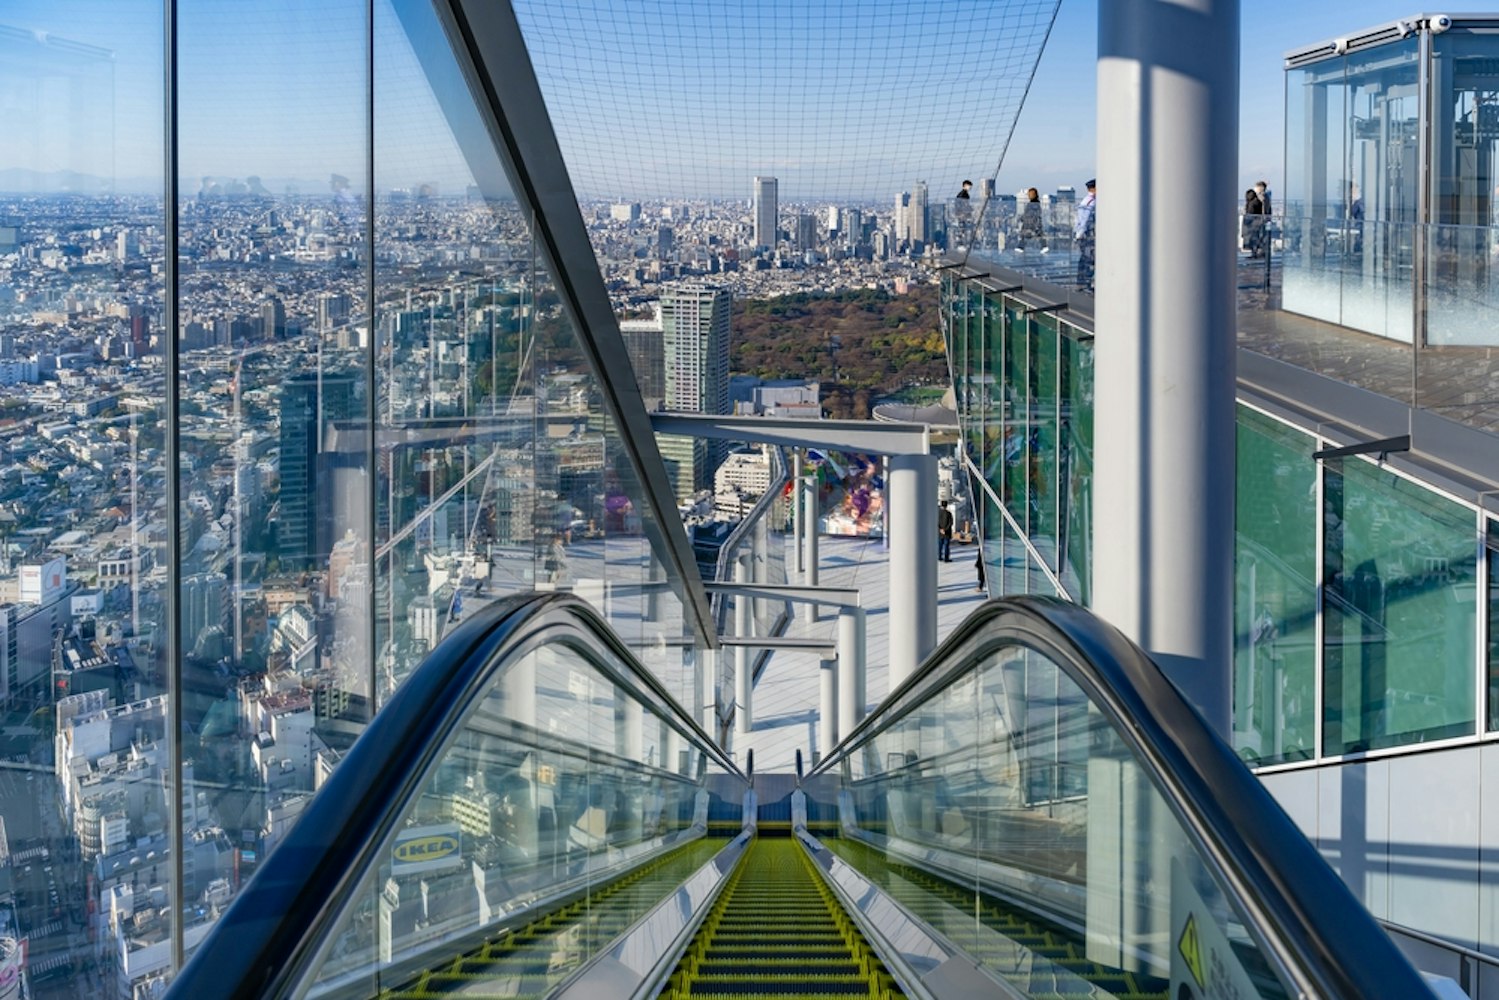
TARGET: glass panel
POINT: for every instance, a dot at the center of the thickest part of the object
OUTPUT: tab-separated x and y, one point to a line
1400	601
86	793
1007	813
274	390
1275	606
1017	443
1076	447
1491	554
562	809
993	392
1462	249
974	373
1045	463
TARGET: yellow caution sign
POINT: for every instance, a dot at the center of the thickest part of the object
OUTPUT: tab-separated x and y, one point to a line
1191	952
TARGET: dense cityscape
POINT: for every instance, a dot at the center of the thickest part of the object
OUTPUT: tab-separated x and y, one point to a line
472	364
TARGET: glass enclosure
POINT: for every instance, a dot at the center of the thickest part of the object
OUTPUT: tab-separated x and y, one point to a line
1391	195
1351	201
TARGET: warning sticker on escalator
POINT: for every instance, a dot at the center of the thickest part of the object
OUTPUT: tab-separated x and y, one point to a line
1203	963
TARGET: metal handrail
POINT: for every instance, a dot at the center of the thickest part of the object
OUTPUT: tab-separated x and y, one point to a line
1315	925
266	941
727	552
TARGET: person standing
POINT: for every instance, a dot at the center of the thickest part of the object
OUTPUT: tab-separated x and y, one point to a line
1085	232
963	212
944	533
1031	228
1253	227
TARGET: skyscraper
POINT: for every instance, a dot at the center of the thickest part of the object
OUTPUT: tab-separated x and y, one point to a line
308	403
766	211
695	334
644	341
900	221
806	232
695	337
921	230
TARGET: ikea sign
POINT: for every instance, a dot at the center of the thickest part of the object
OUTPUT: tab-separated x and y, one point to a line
426	849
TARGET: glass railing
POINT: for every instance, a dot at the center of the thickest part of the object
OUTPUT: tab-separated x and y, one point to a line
530	779
1041	799
1408	311
753	552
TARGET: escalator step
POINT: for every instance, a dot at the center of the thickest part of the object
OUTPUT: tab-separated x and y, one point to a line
776	930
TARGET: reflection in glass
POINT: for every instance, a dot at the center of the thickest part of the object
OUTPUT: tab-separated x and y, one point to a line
1275	606
87	799
563	794
1008	814
1352	172
1075	490
1399	574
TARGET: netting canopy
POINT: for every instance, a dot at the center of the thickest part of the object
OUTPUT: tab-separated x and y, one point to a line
840	100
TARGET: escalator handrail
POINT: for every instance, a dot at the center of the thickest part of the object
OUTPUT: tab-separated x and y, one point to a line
264	942
729	551
1277	873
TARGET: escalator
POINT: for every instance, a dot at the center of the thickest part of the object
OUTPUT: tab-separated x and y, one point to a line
1036	813
778	931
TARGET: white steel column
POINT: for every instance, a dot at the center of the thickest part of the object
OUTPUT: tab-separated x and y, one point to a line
707	697
911	492
800	557
1163	498
851	668
809	524
744	682
827	723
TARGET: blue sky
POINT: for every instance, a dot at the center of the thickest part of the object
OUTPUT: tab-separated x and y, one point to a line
276	88
1054	139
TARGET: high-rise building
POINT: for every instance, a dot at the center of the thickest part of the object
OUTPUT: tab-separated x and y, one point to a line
852	228
332	310
920	223
986	188
766	211
308	403
273	319
695	335
643	341
900	221
695	338
806	232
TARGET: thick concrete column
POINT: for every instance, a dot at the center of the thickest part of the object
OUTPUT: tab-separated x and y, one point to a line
911	493
1163	497
827	722
851	668
744	681
809	524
